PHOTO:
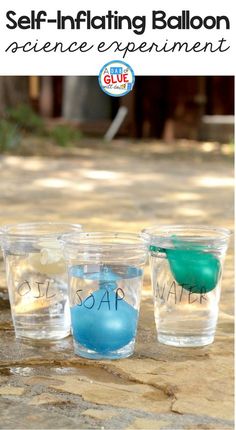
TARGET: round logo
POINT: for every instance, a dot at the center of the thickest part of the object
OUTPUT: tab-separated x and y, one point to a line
116	78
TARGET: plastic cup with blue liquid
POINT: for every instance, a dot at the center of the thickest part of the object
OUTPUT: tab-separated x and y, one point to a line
186	265
105	281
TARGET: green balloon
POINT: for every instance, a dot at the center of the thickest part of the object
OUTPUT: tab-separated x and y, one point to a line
194	270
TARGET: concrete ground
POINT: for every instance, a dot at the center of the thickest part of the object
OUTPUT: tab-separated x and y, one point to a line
126	187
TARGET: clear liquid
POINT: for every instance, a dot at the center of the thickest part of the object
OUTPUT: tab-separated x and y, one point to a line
104	308
38	297
183	317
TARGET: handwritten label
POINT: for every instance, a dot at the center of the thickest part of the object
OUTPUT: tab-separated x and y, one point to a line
37	290
101	299
176	294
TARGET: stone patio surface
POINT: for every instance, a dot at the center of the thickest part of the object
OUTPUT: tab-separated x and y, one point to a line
121	186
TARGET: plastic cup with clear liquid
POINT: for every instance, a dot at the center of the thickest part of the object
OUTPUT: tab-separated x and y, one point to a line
37	279
186	264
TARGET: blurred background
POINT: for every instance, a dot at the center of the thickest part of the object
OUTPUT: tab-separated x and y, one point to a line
66	109
162	153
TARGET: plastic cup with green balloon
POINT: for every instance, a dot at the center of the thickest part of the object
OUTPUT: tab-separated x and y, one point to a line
105	280
186	268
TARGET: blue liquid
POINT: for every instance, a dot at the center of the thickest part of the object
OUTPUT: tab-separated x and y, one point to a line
102	320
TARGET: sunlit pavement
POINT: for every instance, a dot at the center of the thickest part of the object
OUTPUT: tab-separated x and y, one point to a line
123	186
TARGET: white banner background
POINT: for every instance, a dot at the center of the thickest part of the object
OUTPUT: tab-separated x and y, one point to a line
90	63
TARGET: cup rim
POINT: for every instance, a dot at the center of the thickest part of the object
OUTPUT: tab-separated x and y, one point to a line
104	239
37	229
162	232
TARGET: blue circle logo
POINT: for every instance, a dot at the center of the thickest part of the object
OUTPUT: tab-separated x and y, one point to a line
116	78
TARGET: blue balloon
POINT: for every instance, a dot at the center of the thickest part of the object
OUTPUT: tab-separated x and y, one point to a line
104	322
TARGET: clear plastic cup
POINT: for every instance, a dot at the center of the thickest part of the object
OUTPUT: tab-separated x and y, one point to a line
186	265
105	281
37	279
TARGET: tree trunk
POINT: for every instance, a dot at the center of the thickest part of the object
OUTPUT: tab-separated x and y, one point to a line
13	91
83	100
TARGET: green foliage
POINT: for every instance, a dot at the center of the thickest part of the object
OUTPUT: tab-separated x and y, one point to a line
9	135
26	119
65	135
231	143
22	121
